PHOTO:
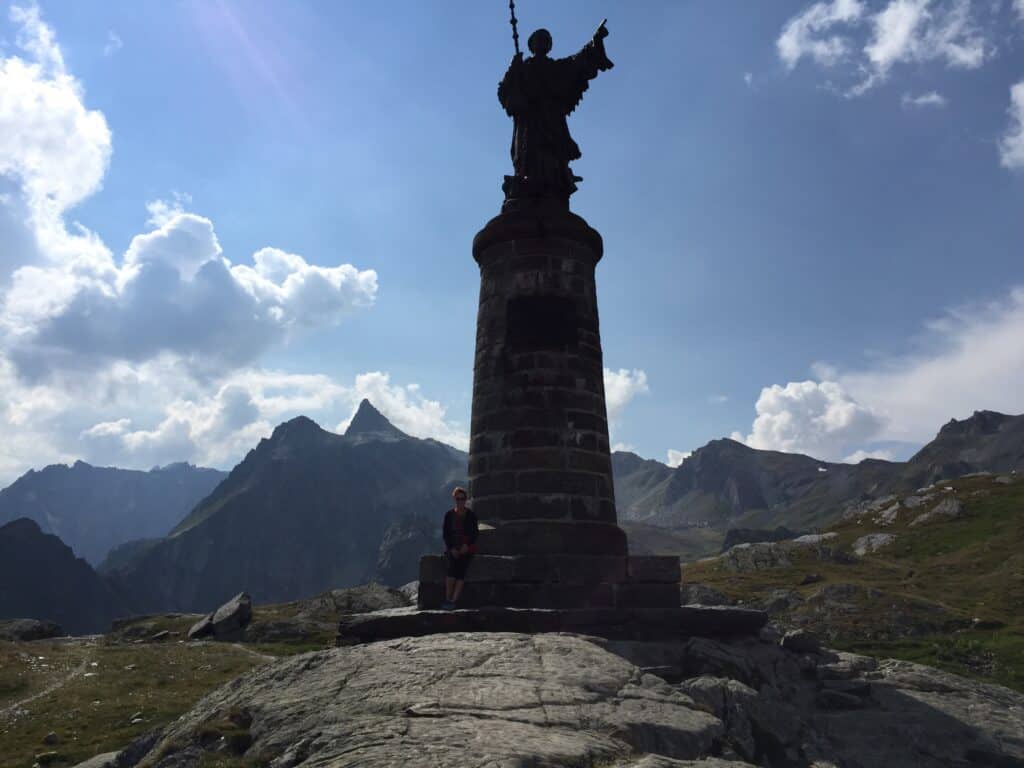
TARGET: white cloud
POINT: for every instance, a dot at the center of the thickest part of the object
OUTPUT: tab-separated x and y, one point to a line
901	32
1011	146
1019	5
620	387
675	458
858	456
819	419
718	399
974	361
113	44
748	78
930	99
69	304
406	408
806	34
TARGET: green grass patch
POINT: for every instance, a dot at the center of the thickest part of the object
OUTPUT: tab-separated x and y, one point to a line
917	599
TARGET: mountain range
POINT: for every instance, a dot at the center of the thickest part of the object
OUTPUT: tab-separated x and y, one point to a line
94	509
308	510
726	484
305	511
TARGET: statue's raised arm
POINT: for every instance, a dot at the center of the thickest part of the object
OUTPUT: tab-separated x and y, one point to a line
539	93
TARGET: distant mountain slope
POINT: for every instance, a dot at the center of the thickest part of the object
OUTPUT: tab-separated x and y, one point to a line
305	511
93	509
40	578
727	484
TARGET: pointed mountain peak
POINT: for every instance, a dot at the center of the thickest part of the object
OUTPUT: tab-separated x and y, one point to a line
369	421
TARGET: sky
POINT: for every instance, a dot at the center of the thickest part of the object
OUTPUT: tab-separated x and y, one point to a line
216	215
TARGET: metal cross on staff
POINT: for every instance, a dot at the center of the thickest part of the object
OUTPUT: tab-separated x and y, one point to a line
515	29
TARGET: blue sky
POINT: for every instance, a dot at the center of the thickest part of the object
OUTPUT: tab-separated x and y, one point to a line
216	215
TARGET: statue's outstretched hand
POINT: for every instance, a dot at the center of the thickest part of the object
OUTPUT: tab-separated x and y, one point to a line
602	31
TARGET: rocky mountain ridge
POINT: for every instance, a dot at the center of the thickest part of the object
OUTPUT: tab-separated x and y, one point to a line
305	511
94	509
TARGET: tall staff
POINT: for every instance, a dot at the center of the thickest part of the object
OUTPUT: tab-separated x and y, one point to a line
514	22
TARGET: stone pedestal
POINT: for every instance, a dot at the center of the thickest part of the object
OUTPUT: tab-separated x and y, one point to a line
540	474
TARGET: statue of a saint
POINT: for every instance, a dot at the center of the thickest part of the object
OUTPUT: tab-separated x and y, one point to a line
539	93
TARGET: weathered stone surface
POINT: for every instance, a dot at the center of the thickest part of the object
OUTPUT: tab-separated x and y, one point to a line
510	700
29	629
549	537
621	623
745	558
106	760
889	515
948	509
872	542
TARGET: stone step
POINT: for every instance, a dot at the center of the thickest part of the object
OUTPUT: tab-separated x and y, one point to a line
562	569
611	623
554	595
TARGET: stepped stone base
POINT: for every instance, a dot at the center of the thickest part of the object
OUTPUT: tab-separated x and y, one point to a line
611	623
564	581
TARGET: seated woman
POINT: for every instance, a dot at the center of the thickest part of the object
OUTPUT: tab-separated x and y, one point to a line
460	531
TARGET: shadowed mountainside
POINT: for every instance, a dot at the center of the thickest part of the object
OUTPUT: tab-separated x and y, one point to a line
305	511
40	578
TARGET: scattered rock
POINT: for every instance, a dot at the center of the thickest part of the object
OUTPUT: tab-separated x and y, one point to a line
227	622
51	738
947	509
810	578
701	594
813	539
781	600
800	641
106	760
888	516
160	636
29	629
746	558
872	542
1003	480
411	591
913	502
49	758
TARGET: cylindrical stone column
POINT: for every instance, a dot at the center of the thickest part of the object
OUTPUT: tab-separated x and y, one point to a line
539	455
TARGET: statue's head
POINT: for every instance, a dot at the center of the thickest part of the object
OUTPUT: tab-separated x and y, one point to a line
539	42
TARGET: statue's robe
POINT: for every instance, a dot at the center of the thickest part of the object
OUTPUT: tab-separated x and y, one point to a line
539	93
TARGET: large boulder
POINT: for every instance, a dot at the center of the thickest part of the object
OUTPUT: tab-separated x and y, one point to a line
872	542
949	508
227	622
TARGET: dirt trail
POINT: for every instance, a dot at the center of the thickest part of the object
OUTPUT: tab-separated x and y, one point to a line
10	709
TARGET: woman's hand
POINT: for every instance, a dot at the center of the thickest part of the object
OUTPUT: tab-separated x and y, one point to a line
464	549
454	551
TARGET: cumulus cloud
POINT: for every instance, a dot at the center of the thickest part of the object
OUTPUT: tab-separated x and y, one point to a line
901	32
1011	146
973	360
148	356
675	458
70	304
819	419
930	99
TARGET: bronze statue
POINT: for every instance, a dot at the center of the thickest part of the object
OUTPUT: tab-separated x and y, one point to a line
539	93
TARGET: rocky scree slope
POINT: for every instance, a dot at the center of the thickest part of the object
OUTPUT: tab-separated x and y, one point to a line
934	576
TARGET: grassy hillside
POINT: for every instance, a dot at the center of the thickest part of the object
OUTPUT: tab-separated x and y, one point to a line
949	593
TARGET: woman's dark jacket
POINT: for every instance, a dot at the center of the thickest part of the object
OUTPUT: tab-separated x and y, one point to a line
470	530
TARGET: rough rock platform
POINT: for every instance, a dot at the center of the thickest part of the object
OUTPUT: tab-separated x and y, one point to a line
611	623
